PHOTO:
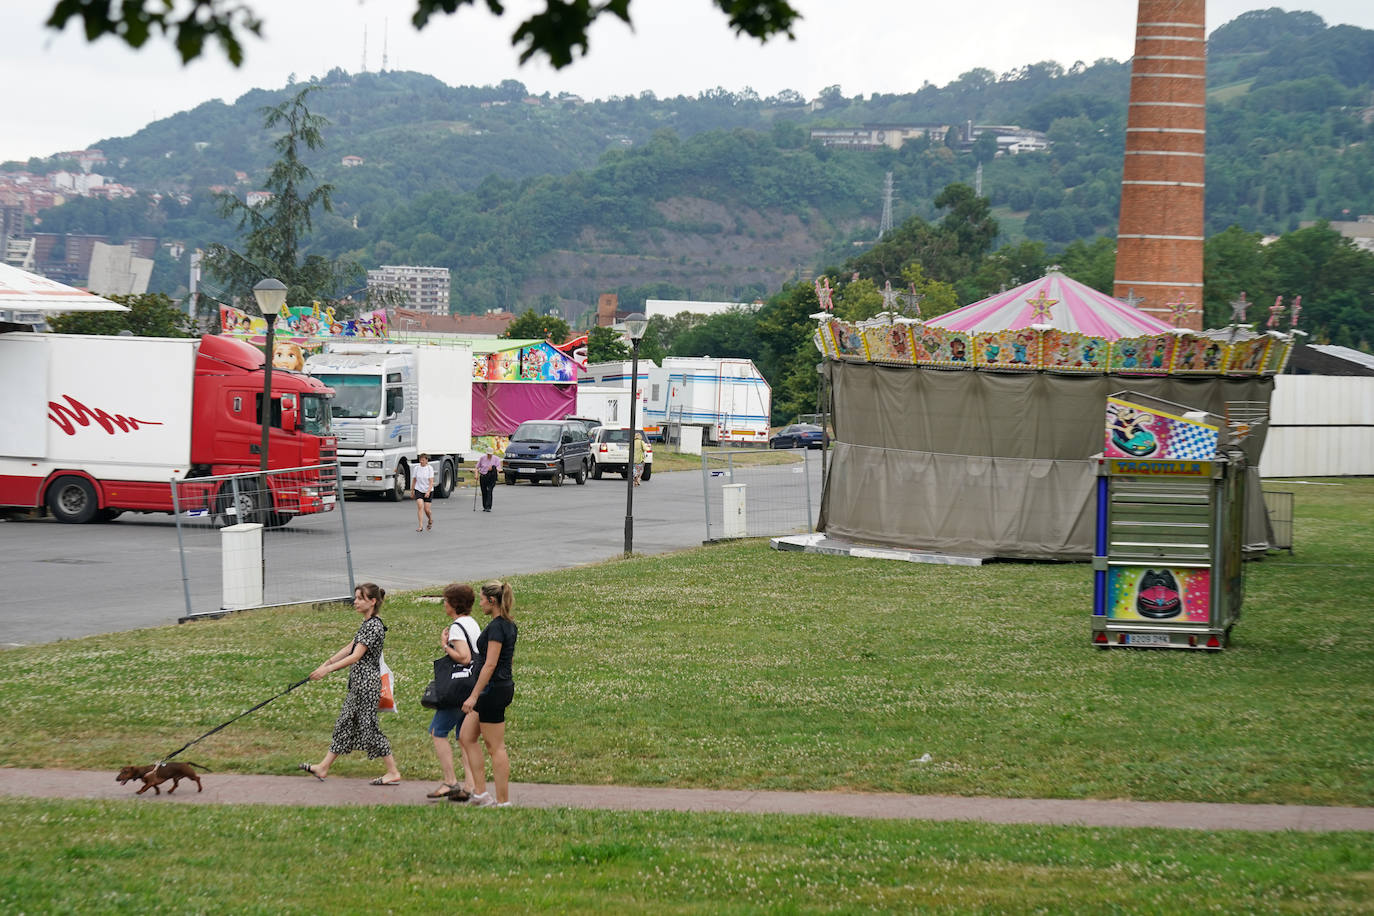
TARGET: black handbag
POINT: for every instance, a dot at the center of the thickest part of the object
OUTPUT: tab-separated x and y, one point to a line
452	680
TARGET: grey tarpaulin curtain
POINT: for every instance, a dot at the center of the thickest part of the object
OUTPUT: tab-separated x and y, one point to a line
988	463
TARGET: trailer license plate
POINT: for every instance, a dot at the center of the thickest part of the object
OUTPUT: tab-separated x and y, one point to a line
1147	639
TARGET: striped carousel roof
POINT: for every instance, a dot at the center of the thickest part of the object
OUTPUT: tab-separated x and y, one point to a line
1056	301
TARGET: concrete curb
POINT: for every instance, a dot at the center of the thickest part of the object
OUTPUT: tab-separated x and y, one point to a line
229	788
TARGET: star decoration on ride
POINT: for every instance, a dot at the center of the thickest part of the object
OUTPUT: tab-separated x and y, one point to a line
1297	310
1179	309
1132	299
913	301
1275	312
1238	307
890	297
1042	306
823	293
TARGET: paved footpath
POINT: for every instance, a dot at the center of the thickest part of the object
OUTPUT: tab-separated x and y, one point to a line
228	788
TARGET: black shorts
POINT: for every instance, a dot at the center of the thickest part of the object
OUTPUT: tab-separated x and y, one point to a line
425	497
492	703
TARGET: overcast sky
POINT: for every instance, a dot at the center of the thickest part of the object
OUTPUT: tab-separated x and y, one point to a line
62	93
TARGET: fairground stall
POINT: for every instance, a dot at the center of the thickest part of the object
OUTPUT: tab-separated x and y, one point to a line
975	433
1168	567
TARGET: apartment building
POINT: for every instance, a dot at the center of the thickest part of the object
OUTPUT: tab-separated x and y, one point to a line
426	288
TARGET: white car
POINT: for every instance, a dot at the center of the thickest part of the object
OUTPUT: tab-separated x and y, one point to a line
611	449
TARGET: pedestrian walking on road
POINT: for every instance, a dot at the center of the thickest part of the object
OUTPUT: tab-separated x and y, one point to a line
485	707
457	640
488	467
638	457
357	728
422	488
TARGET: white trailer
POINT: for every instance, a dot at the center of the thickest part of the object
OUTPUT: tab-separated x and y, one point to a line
396	401
728	399
610	405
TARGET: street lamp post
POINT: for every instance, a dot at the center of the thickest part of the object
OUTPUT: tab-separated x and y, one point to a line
635	325
271	295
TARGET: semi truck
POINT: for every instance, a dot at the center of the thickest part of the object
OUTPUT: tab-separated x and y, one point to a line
96	426
392	402
729	399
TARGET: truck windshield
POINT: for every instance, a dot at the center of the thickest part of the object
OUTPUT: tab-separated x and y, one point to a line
357	396
315	415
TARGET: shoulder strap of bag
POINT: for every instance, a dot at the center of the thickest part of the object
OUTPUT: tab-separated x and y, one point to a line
472	649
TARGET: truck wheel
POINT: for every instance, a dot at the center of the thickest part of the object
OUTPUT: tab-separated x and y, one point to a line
72	501
648	471
596	471
447	478
510	480
581	475
229	512
400	484
557	478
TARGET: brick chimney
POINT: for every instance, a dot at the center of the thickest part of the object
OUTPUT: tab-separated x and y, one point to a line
1160	235
606	308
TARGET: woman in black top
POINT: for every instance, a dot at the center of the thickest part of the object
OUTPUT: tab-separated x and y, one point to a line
485	707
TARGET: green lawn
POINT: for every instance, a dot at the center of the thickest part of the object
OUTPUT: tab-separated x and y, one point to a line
734	666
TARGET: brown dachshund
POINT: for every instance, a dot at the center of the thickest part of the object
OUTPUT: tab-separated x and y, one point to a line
155	774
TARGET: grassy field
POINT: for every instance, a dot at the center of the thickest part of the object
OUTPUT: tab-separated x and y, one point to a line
735	666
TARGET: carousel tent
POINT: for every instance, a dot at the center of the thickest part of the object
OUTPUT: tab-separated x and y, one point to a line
1056	301
967	457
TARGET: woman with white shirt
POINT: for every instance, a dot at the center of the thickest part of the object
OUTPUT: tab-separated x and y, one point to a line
422	488
457	640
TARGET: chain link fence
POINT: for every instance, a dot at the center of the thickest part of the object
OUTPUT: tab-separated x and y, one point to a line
754	492
254	540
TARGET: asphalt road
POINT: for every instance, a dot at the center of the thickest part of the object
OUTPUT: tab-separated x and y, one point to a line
69	581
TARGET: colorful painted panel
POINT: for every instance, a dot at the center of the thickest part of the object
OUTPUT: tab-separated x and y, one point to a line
933	346
1070	351
849	342
1150	355
1277	358
304	326
1164	594
1247	356
822	340
1011	349
1196	355
888	343
1135	431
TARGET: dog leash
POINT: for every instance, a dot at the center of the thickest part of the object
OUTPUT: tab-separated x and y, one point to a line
235	719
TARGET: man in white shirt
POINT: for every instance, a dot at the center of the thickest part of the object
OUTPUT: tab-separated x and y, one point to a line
422	488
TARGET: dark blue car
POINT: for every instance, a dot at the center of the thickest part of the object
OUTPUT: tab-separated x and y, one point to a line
799	435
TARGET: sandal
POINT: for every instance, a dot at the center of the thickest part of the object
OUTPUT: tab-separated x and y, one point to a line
382	781
443	791
459	794
311	770
429	525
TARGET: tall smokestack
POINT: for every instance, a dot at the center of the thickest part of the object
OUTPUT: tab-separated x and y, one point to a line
1160	235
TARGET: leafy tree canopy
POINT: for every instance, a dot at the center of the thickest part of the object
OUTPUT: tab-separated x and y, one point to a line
554	32
545	327
605	346
149	315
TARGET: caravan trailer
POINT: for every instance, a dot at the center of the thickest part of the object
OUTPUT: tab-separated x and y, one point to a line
729	399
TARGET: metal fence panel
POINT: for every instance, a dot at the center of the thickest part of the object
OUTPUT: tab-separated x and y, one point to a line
304	553
765	492
1279	507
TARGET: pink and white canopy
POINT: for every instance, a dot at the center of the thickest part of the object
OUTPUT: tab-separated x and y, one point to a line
24	291
1057	301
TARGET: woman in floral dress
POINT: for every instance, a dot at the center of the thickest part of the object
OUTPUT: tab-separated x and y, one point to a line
356	728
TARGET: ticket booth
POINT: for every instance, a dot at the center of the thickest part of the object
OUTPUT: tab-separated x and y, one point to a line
1167	568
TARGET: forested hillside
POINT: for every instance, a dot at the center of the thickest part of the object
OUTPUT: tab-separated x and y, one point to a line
536	202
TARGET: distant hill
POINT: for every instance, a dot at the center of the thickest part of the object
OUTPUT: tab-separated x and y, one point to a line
548	200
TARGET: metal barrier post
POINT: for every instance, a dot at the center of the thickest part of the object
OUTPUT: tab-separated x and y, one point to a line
706	491
181	546
343	520
806	473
